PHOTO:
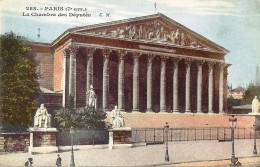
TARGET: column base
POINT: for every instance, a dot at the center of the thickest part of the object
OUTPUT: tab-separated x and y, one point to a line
221	112
211	112
149	111
188	111
122	110
162	111
135	110
200	112
175	111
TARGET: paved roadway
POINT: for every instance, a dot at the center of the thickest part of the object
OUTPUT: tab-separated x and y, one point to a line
179	152
252	161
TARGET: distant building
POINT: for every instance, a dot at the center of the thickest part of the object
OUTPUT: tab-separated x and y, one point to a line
236	93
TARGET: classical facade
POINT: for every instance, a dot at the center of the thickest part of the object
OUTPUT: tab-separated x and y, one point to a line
145	64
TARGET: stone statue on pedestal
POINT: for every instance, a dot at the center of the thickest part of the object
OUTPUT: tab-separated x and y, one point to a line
91	98
255	106
42	119
117	120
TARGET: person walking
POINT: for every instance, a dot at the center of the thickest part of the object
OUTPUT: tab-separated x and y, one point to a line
58	161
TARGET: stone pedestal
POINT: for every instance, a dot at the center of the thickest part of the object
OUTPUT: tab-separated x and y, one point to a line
120	137
42	140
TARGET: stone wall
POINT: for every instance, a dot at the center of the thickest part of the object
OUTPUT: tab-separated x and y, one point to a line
44	59
10	142
58	70
158	120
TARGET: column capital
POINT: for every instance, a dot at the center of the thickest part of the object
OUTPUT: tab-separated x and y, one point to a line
211	63
150	58
222	65
200	62
187	61
163	58
73	49
121	54
90	51
106	52
175	59
136	55
66	53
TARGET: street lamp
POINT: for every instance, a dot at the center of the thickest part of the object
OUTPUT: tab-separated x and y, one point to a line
255	151
166	131
232	123
72	131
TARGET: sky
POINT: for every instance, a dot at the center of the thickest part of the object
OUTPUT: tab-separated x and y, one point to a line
233	24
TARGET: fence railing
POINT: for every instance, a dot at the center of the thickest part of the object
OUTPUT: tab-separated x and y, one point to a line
83	137
158	135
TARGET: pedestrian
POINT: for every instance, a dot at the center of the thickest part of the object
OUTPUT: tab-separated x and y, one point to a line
29	162
58	161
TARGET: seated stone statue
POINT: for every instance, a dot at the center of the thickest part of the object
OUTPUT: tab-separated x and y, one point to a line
91	97
117	120
255	106
42	117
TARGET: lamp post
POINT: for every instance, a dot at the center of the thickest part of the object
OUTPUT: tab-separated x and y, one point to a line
166	131
232	123
255	151
72	164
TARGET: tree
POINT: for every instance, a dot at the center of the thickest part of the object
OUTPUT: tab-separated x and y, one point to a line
18	87
250	94
86	117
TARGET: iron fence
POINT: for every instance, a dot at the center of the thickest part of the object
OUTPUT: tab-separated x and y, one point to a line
83	137
157	135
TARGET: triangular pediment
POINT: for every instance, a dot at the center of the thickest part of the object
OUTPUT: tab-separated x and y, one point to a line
156	28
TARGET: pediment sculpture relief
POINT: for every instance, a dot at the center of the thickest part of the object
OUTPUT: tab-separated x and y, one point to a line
155	31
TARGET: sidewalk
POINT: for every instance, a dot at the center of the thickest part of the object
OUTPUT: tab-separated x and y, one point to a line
179	152
252	161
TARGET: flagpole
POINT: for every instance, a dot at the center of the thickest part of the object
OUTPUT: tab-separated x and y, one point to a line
155	7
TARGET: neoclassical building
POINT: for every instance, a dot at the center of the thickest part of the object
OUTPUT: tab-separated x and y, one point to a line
146	64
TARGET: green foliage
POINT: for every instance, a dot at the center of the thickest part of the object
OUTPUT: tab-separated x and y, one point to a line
18	87
86	117
250	94
234	102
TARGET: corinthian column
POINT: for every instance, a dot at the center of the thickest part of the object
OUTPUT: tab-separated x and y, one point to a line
149	83
72	76
175	62
163	85
136	82
105	79
121	68
65	88
199	85
210	89
89	81
187	83
221	87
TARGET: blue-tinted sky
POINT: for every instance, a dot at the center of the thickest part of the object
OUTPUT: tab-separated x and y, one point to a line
233	24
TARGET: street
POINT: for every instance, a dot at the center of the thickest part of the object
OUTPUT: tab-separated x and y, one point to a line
179	152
